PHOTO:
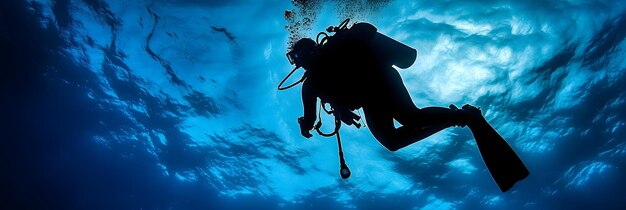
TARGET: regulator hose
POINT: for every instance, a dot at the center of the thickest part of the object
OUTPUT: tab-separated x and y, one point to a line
287	77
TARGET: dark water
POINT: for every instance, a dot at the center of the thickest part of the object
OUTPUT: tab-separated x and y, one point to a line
172	105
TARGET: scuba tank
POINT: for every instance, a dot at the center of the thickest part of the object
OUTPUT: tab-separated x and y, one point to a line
359	46
392	51
385	49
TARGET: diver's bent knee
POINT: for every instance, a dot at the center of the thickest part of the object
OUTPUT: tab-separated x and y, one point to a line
390	147
386	140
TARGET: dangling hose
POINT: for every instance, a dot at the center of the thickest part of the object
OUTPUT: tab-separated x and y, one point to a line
287	77
344	171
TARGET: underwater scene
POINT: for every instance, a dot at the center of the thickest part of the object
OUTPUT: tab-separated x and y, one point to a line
173	104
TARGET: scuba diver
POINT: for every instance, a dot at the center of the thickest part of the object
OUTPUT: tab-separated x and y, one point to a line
352	69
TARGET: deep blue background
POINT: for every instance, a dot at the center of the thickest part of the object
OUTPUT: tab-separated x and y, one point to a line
100	110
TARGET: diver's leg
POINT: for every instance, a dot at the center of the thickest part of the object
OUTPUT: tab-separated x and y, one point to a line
431	116
380	122
417	123
396	96
422	123
407	114
393	101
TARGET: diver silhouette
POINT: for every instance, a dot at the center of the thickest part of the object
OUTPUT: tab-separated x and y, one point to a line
352	69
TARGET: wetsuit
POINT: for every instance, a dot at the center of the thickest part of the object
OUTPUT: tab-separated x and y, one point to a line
349	77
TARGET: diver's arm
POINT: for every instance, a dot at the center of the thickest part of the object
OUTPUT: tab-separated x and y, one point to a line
309	102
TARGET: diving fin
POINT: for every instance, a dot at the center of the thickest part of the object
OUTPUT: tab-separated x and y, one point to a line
505	166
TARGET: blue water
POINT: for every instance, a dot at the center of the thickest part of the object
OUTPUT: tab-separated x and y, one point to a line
169	104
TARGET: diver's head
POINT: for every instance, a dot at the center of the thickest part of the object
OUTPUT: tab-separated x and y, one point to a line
301	53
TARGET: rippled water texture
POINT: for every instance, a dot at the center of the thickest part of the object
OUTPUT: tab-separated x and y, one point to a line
170	104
